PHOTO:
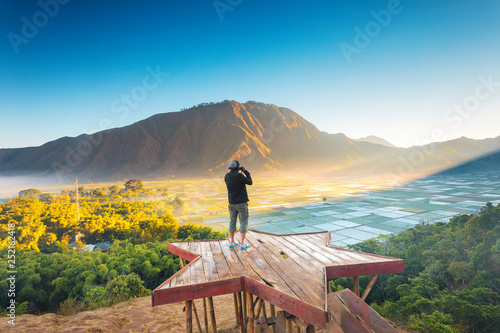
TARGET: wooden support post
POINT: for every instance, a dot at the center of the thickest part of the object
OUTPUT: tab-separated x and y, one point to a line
244	305
289	325
189	317
273	314
355	288
205	312
300	325
369	287
240	312
264	313
212	314
235	299
259	307
250	312
182	263
197	318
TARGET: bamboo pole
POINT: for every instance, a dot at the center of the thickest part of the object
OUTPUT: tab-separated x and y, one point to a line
251	318
369	287
264	313
273	314
205	312
189	317
244	313
235	299
240	313
212	314
356	285
259	308
197	318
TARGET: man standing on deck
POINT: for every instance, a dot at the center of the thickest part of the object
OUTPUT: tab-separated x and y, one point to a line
238	200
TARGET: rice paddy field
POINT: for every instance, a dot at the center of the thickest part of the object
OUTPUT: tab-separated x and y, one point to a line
352	210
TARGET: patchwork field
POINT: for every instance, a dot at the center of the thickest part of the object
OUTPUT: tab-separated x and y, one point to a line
352	213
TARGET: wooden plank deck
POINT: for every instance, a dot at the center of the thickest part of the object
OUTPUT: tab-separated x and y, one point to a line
289	271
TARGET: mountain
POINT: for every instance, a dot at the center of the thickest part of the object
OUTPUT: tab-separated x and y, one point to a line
204	139
377	140
488	163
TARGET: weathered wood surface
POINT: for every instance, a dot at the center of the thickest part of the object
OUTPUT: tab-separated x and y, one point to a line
287	269
351	314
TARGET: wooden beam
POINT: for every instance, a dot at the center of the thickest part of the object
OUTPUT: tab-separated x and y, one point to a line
369	287
211	311
344	318
189	317
183	264
362	312
251	318
205	312
189	256
371	268
197	318
309	313
195	291
355	288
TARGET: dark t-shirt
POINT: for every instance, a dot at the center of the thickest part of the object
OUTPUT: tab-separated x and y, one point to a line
236	186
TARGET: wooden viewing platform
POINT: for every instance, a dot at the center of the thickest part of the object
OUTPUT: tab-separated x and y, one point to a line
288	271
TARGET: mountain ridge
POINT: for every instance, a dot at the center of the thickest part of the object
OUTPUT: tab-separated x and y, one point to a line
377	140
203	139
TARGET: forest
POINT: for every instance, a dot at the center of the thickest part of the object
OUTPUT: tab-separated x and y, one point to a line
451	281
54	276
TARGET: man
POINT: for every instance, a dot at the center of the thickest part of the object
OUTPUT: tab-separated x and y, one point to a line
238	201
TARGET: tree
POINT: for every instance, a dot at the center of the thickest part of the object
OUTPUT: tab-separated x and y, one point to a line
134	185
31	193
113	190
46	198
178	205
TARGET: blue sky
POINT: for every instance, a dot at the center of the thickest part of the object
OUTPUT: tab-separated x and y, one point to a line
403	70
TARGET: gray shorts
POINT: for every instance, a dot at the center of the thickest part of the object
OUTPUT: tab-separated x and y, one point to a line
241	210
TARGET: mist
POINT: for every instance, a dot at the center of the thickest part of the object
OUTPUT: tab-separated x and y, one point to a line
11	185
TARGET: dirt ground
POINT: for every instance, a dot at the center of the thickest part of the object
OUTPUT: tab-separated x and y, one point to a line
136	315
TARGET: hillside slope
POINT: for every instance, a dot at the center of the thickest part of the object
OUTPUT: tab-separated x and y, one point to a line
136	315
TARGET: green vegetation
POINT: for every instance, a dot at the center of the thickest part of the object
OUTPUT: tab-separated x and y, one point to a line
451	281
51	276
44	222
